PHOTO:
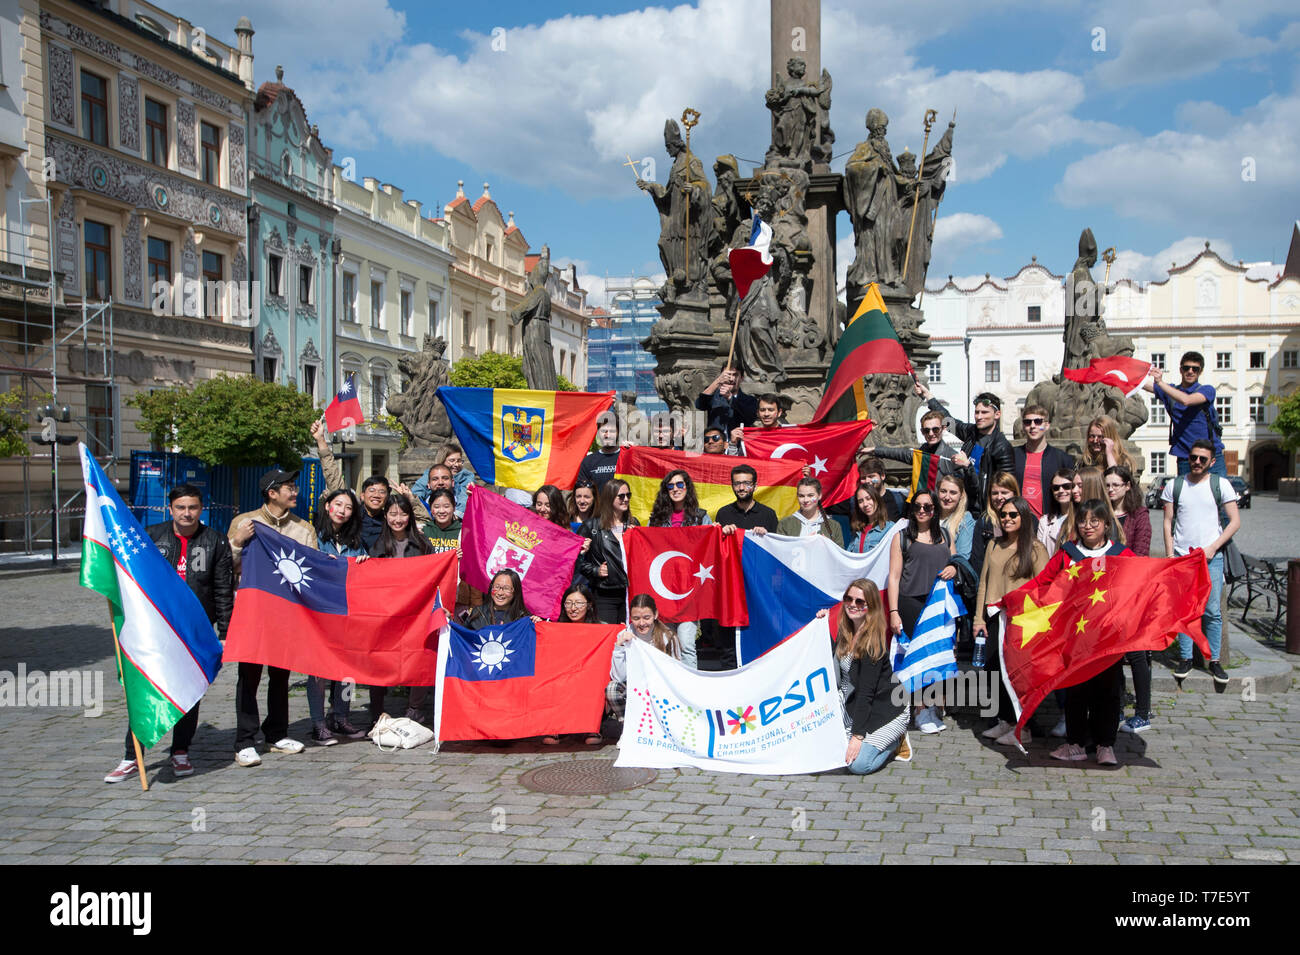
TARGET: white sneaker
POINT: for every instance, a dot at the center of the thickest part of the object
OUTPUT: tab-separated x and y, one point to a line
125	770
995	732
248	757
1009	737
286	745
1059	729
927	721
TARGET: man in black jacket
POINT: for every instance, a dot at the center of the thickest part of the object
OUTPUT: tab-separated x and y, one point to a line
983	442
202	557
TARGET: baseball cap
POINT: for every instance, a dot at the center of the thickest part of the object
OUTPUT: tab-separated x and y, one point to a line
273	477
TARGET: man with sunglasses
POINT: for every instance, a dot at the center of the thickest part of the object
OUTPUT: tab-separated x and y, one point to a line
950	461
1192	520
982	441
715	442
1191	413
726	405
1036	460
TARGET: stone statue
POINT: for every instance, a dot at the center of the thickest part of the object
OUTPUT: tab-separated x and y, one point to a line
418	407
535	312
871	197
759	314
1082	306
924	196
824	145
685	203
795	108
730	209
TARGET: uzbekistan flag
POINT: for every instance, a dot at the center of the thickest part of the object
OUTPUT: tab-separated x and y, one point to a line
829	450
519	438
522	680
788	579
869	346
500	535
925	472
927	655
374	622
1126	374
693	572
751	262
345	410
170	653
645	468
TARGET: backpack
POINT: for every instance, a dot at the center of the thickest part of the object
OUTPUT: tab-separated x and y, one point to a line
1234	566
1211	419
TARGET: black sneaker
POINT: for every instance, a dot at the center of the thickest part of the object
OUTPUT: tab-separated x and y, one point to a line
1216	671
322	736
345	729
1180	672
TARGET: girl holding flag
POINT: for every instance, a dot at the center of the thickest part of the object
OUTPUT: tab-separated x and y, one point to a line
676	505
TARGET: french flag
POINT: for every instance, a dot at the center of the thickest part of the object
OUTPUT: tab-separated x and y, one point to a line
345	410
751	263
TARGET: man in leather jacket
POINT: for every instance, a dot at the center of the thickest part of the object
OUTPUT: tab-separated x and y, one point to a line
983	442
202	557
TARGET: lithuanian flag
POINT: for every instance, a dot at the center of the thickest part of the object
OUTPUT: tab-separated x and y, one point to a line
925	472
869	346
645	468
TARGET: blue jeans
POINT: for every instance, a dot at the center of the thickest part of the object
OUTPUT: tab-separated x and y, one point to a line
1212	619
687	633
339	699
870	760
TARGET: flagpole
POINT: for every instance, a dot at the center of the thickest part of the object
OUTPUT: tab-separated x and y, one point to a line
117	649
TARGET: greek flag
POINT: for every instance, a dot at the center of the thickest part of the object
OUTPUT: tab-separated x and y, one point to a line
927	656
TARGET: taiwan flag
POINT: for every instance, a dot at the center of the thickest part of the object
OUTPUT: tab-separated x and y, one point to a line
829	450
375	622
693	573
522	679
345	410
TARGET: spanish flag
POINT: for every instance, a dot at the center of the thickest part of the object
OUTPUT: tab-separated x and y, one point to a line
520	438
869	346
645	468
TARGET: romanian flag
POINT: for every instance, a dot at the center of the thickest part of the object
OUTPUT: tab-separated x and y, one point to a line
645	468
925	472
520	438
869	346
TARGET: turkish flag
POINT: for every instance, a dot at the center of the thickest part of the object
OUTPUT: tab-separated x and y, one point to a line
693	573
830	451
1126	374
1062	630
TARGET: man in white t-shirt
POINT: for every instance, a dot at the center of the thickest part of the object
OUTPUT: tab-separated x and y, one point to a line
1194	522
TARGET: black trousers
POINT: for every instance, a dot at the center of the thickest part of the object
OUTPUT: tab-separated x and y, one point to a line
182	735
1140	661
276	726
1093	707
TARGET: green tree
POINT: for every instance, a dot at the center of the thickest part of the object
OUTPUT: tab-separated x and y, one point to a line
493	370
233	421
16	421
1287	422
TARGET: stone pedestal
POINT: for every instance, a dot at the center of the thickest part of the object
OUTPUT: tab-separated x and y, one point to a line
413	463
825	199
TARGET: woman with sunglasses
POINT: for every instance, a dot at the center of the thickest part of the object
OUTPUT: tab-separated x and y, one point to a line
1015	558
920	554
601	563
1126	502
873	719
676	505
1059	506
1092	708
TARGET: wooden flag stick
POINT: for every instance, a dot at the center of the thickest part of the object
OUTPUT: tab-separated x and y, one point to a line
117	649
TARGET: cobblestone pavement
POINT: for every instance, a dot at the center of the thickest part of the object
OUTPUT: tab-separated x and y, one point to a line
1216	780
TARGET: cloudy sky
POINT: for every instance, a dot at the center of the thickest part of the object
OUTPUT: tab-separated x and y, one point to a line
1159	124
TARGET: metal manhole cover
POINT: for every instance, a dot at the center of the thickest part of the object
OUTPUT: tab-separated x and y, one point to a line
584	777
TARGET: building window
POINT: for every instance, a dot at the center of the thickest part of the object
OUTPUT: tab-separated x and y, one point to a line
1158	360
1223	361
213	268
306	285
210	136
376	304
275	274
1035	313
94	108
99	418
214	275
1027	370
309	380
435	322
1158	415
1291	359
408	317
1257	410
1257	359
934	372
491	250
160	264
992	371
1223	408
349	297
155	131
270	369
467	330
1158	463
99	261
378	394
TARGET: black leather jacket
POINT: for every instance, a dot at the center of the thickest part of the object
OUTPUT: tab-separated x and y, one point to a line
605	549
209	568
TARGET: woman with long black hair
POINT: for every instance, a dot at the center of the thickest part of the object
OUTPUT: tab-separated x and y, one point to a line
602	562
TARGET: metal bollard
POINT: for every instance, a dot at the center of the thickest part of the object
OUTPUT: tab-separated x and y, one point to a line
1293	606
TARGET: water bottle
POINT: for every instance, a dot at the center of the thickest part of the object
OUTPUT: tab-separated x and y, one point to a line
978	660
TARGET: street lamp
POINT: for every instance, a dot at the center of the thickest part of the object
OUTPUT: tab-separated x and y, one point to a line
49	417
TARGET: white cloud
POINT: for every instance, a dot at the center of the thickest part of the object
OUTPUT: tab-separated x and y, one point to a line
956	236
1174	45
1130	264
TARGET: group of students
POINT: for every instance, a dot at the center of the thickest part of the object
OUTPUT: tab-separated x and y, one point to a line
994	519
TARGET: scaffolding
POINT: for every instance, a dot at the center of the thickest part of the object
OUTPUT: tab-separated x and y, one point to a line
35	329
616	361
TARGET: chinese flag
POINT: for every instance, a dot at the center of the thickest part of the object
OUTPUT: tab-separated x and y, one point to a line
1063	631
693	573
829	450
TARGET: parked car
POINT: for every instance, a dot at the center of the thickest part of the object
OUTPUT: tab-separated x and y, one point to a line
1156	489
1242	487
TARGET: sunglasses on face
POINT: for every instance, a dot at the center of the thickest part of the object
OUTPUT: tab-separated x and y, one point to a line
713	437
1195	368
1057	488
1199	458
938	430
676	486
1034	422
1009	516
924	508
854	602
623	497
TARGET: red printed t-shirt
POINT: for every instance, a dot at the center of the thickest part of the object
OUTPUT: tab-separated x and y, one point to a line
1032	491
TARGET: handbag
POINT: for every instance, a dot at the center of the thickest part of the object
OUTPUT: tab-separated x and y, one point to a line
393	733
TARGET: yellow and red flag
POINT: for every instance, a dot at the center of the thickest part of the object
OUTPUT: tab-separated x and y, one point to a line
645	468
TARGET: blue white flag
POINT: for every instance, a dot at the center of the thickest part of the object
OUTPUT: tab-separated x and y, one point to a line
751	262
927	656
